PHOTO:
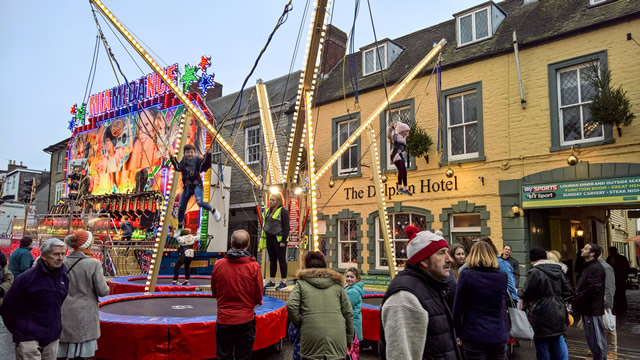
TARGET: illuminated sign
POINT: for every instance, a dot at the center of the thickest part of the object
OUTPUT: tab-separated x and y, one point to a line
582	193
146	87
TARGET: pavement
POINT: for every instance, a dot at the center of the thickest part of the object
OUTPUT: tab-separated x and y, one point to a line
628	340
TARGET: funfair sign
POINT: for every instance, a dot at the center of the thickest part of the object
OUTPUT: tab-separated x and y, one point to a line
148	86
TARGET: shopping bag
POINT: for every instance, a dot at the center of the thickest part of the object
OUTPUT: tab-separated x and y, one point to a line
609	320
354	354
520	327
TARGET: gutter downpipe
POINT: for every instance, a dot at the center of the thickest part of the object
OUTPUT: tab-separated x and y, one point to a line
523	102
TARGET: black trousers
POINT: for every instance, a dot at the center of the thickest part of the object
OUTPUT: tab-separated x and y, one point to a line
277	253
187	264
235	341
477	351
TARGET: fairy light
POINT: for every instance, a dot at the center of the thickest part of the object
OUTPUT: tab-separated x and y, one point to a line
310	67
312	169
273	155
436	49
163	211
181	95
377	169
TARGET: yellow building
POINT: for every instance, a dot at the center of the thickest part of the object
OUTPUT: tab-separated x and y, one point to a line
506	150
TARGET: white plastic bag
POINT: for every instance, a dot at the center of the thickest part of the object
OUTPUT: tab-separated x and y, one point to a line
609	320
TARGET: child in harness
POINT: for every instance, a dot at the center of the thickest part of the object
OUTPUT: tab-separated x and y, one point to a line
397	136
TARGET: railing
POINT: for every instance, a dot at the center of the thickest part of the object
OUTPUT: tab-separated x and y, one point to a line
118	257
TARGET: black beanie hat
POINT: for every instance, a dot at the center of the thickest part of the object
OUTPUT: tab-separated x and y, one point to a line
537	254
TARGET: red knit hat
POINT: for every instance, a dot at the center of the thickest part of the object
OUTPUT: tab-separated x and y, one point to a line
423	245
411	231
80	239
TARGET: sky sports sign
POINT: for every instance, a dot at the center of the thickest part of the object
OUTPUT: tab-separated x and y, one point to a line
582	193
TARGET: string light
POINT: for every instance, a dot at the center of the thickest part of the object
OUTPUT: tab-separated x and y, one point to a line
183	98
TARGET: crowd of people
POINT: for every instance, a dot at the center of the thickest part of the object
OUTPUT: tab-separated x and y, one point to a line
447	303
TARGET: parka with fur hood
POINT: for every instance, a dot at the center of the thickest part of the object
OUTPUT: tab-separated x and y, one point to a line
319	307
544	295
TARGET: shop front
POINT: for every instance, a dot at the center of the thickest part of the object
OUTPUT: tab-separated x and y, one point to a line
564	208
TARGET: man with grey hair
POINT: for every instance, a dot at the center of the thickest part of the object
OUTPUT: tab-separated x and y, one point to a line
31	309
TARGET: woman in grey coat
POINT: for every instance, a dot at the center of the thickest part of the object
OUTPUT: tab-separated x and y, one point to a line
80	320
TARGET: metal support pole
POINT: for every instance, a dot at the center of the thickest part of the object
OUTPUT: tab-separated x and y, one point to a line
382	211
157	253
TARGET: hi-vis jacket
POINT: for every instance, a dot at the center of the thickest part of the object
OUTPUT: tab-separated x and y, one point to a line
276	224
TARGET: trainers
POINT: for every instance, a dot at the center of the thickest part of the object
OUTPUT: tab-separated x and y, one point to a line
282	286
174	282
216	215
186	282
269	284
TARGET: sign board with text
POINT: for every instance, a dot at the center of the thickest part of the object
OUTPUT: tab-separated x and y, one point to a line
613	191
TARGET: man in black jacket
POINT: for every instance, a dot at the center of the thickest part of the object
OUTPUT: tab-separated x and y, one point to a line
589	301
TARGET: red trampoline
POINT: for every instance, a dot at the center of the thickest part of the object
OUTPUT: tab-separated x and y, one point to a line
133	284
175	325
371	316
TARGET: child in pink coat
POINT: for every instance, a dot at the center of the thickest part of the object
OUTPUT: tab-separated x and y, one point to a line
397	136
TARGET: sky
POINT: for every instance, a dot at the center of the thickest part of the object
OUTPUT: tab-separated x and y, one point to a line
46	50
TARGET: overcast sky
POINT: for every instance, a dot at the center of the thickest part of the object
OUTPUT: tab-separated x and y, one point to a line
46	50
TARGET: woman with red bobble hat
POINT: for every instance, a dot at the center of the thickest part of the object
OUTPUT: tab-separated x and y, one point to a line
80	320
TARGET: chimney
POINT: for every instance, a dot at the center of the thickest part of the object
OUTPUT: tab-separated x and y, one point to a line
335	46
12	166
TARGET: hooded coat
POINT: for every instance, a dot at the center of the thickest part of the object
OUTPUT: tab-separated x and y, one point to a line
355	293
543	295
318	305
80	318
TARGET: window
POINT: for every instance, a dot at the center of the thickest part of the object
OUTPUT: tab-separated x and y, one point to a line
397	223
348	162
404	114
462	126
575	93
595	2
59	191
474	27
216	152
570	93
347	243
465	228
252	145
60	161
371	62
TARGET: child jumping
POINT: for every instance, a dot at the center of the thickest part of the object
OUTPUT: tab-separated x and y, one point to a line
185	255
397	136
191	166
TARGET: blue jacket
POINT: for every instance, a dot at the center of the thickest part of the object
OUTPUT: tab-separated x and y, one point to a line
31	309
479	312
355	293
20	261
127	228
504	266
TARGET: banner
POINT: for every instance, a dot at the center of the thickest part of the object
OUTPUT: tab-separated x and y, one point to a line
582	193
294	221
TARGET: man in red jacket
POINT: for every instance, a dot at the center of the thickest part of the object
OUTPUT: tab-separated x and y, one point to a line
237	284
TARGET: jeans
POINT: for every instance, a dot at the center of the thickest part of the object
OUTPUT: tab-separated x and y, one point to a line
478	351
7	347
187	265
32	350
187	192
596	337
235	341
551	348
402	172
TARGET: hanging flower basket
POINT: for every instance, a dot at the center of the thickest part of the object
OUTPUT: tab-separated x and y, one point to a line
609	106
419	142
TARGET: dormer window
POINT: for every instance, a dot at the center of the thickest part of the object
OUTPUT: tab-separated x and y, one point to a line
596	2
478	24
372	62
388	52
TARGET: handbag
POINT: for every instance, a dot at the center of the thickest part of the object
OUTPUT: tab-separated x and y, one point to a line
609	320
354	354
520	327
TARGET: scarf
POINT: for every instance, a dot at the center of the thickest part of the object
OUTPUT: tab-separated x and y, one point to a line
237	253
86	252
